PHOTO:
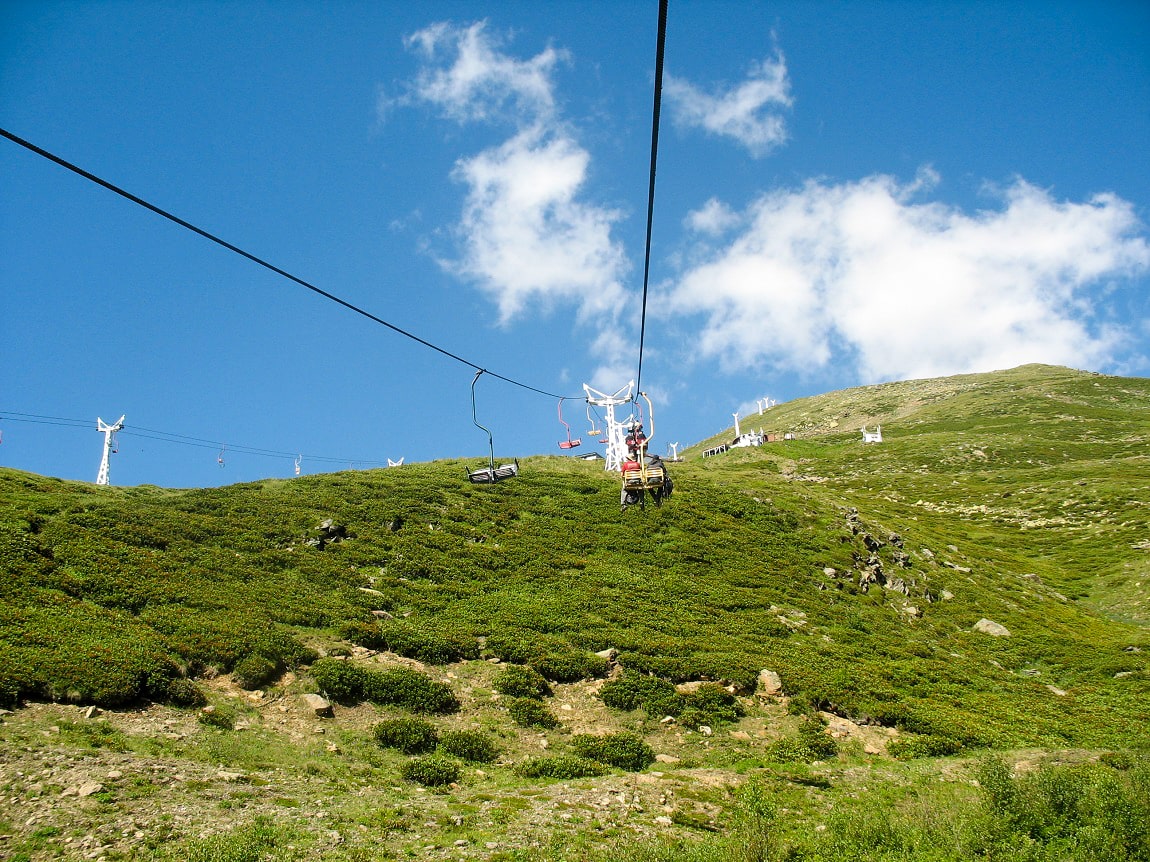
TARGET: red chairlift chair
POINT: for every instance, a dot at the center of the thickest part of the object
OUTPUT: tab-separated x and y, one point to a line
568	443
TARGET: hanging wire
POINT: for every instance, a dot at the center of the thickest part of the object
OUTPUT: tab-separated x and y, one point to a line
258	260
662	39
180	439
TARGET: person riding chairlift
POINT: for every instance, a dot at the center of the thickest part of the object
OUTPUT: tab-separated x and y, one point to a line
636	441
637	449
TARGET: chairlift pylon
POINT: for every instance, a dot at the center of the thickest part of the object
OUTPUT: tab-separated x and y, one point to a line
568	443
490	474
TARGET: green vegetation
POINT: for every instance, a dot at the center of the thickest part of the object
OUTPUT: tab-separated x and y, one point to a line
431	771
562	767
348	682
520	681
856	573
528	712
624	750
409	735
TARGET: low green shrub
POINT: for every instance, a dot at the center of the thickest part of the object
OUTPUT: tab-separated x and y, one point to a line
409	735
554	659
562	767
9	688
1120	760
1084	811
339	680
625	750
521	681
710	704
633	690
910	747
410	689
470	745
413	641
220	717
347	682
431	771
812	734
255	671
528	712
570	666
787	751
811	743
183	692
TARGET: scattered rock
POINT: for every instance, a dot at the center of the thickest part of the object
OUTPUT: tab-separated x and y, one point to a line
319	705
770	683
666	758
89	788
990	627
1058	691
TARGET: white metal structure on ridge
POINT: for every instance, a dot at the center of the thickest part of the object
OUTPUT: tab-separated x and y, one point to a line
616	431
109	432
872	436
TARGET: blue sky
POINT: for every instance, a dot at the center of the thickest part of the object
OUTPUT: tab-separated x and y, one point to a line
847	193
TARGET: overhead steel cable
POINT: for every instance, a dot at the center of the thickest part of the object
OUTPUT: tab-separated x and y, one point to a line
181	439
658	100
40	151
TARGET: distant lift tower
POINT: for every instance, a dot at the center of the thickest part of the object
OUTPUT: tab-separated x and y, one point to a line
616	431
109	432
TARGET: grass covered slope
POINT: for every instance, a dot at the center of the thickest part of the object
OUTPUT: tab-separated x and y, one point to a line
856	572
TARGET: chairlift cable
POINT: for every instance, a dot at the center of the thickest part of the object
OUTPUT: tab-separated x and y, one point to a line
258	260
171	437
658	99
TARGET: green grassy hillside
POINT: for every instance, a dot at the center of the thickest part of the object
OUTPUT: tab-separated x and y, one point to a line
855	572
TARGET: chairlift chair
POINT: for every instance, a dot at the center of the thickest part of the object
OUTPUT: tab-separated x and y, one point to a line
594	430
489	474
568	443
639	475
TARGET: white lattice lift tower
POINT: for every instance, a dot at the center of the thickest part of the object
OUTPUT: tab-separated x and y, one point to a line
616	431
109	432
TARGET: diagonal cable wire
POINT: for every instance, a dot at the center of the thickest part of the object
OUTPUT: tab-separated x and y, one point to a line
181	439
662	39
258	260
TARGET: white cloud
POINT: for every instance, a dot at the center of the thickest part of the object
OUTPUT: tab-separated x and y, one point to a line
525	234
859	273
713	218
470	79
748	112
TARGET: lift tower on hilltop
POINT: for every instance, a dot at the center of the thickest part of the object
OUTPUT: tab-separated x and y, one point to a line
109	432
